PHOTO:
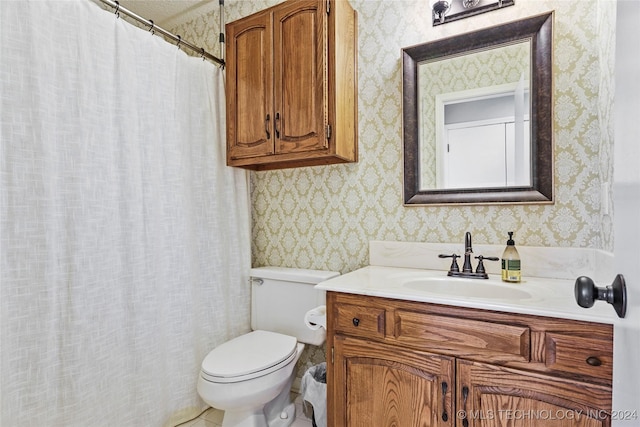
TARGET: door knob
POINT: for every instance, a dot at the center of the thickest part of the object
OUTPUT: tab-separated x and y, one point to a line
586	293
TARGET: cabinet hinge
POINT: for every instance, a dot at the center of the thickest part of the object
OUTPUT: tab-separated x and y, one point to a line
328	131
328	6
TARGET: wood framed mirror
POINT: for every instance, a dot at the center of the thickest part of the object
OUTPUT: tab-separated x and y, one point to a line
446	83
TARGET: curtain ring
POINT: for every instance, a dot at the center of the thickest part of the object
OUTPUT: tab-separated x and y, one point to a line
202	53
179	41
151	29
117	12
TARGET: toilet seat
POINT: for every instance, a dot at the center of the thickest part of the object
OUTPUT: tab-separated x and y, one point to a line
248	356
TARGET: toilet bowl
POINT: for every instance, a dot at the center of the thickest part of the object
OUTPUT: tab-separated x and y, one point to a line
250	379
250	376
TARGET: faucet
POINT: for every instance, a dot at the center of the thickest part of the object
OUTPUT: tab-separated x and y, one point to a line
467	269
468	250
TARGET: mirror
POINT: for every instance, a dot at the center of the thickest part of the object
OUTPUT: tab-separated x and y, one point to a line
478	118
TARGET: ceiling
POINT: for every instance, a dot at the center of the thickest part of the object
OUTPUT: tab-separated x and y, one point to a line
162	11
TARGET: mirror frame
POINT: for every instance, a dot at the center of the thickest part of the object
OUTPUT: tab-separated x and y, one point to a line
539	29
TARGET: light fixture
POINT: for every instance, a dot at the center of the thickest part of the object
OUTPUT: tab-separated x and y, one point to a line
440	9
444	11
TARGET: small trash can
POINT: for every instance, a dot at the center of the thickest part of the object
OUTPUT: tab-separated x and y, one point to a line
313	388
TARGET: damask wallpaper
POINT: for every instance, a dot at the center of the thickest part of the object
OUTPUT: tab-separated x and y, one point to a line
323	217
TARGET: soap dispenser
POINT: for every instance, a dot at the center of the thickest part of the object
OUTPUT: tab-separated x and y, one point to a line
511	262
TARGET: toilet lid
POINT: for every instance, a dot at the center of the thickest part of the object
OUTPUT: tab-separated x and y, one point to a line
248	355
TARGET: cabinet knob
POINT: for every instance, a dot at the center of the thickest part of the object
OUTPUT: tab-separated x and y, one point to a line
594	361
356	321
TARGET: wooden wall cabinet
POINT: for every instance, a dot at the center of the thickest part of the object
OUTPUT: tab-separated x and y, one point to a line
406	364
291	86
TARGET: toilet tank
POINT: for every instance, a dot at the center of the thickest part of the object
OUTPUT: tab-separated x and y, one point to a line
280	297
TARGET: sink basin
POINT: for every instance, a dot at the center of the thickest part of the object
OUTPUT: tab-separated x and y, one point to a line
467	288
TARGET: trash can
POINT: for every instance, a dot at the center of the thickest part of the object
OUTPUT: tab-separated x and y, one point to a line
313	388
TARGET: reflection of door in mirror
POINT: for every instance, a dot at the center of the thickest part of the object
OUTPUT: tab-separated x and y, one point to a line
474	120
484	140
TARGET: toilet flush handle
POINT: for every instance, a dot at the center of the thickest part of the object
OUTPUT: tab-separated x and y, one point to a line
255	280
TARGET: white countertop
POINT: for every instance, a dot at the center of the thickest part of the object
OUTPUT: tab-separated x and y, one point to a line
535	296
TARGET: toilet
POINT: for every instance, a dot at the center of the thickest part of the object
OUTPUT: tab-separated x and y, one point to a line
250	376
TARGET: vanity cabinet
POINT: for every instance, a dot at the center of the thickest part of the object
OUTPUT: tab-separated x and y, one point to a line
291	86
406	363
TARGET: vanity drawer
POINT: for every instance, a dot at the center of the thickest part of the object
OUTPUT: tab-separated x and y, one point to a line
359	320
584	356
468	338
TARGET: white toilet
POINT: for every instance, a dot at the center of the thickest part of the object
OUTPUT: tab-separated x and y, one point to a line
250	377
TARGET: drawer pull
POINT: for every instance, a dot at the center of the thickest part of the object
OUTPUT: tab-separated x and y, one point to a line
356	321
594	361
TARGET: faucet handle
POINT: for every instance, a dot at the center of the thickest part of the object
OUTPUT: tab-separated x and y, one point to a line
454	264
480	268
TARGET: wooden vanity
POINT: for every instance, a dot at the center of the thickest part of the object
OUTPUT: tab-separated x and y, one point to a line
394	362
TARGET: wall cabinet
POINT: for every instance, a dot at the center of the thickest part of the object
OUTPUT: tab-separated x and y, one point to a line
407	363
292	86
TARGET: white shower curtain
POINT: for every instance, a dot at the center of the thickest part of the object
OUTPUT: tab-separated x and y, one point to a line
124	237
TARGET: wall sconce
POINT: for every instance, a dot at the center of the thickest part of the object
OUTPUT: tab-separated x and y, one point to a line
444	11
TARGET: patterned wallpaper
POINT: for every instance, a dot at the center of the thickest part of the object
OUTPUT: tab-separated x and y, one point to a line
323	217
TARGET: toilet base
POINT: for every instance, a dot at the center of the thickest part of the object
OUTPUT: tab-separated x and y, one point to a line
244	419
270	415
257	418
285	418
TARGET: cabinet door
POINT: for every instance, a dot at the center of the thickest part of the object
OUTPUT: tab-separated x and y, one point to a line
376	385
250	87
299	69
490	396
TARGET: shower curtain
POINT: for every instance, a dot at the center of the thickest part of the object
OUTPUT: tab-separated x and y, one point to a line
124	237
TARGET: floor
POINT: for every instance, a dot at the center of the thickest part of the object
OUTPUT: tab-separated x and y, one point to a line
213	417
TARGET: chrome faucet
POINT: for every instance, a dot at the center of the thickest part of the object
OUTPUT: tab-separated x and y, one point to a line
467	269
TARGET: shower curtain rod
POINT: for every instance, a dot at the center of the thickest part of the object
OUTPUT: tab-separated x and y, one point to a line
154	28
